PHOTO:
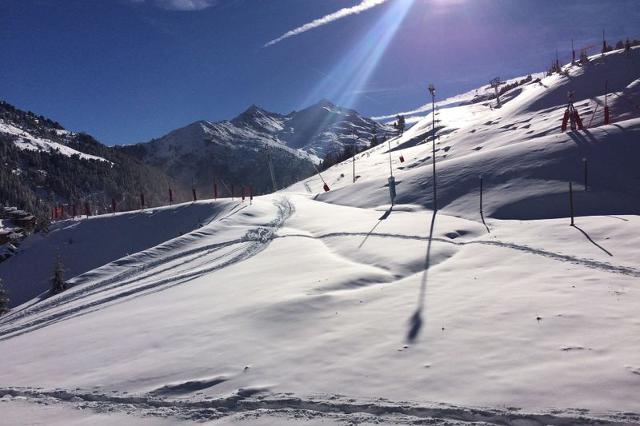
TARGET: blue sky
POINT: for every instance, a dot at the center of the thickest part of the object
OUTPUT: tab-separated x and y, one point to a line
129	70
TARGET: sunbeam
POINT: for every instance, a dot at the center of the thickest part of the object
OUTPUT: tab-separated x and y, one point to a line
345	83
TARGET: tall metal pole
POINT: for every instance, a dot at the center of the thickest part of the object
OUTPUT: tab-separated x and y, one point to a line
432	90
390	167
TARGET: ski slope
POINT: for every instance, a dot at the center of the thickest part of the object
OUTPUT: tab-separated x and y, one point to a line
332	308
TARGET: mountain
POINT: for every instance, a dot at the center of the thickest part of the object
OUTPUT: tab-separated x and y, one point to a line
46	165
237	151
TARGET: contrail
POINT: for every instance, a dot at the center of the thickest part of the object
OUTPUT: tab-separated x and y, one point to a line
364	5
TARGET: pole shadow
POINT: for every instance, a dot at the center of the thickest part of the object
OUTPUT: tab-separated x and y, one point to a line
484	223
591	240
415	322
619	218
380	219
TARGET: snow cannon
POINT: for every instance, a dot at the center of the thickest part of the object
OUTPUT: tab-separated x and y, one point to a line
577	119
401	158
565	120
326	187
392	189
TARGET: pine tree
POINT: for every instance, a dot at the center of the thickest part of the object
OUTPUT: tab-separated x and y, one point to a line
4	300
57	281
374	138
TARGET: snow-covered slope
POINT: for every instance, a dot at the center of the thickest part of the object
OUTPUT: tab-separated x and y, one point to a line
44	165
334	308
525	161
25	140
83	245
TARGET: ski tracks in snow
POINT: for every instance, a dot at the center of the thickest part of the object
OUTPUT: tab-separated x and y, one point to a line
251	403
141	275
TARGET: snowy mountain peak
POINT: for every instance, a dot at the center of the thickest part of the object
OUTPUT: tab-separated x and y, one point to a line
235	148
259	119
325	103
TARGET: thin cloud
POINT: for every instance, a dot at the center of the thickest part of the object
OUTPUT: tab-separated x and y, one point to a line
342	13
187	5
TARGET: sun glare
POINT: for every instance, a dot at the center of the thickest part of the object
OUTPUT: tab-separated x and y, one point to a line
346	81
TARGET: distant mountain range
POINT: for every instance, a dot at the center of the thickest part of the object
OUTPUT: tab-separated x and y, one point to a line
46	165
237	152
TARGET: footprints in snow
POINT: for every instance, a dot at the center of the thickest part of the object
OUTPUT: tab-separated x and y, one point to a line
456	234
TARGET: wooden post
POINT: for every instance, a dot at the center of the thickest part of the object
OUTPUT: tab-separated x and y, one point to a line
584	160
215	191
232	191
142	200
571	202
607	117
195	197
481	212
170	196
354	168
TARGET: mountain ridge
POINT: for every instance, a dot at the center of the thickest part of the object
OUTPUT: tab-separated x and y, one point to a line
238	150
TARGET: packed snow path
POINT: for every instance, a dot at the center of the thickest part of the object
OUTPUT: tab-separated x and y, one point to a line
164	266
291	298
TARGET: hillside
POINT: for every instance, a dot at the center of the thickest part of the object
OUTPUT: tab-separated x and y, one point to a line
237	152
46	165
313	307
525	160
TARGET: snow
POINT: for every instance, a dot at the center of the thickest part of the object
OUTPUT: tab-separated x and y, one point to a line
336	308
26	141
75	241
19	412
